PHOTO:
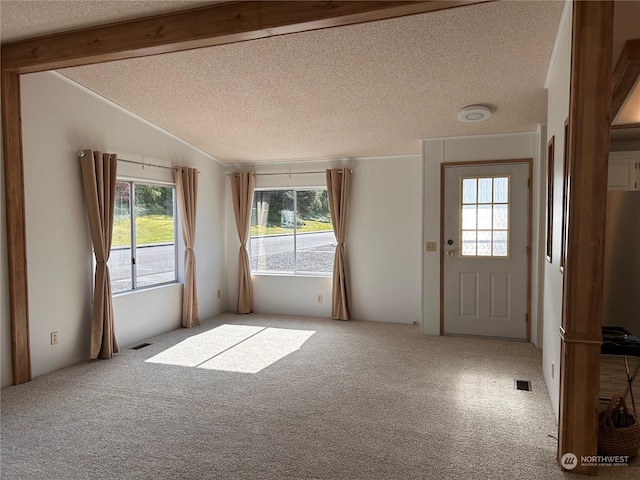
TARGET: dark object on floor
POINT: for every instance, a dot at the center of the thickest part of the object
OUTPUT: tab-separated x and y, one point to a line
618	341
523	385
618	430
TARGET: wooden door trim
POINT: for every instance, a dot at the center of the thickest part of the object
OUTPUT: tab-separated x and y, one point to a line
549	184
443	166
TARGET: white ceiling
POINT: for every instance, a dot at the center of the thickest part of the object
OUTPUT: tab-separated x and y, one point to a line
364	90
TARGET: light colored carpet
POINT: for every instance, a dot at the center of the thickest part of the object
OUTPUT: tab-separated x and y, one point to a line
357	400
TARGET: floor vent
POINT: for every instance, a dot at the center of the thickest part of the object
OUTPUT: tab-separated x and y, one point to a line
523	385
142	345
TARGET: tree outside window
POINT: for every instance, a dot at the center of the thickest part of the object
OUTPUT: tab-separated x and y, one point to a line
143	251
291	232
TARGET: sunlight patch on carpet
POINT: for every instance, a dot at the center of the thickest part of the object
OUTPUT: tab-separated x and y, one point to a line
234	348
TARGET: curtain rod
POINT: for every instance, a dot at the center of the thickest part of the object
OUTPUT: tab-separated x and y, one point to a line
287	173
82	154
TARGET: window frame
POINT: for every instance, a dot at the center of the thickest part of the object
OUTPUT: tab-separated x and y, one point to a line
132	234
295	272
492	203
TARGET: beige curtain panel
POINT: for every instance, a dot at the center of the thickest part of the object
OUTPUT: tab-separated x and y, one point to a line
338	181
242	187
99	182
187	193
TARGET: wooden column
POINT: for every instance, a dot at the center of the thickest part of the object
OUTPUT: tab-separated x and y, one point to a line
15	221
589	121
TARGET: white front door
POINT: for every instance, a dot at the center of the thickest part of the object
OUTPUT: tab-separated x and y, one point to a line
486	221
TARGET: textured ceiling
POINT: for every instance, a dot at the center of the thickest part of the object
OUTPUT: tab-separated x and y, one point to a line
364	90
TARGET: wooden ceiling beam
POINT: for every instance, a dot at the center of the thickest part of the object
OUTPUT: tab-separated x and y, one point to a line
216	24
625	75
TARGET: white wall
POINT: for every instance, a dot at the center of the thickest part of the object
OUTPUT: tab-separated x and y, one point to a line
539	236
383	243
437	151
59	118
558	111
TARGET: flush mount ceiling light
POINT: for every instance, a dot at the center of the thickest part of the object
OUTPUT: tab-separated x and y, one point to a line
474	113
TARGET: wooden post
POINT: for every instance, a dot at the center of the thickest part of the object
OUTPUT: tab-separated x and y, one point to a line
589	122
15	220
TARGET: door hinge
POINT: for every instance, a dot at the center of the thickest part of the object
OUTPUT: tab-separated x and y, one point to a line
526	318
528	251
528	183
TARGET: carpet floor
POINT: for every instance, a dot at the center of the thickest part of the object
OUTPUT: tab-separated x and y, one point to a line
348	400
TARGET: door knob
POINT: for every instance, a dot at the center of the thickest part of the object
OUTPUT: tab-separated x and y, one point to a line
450	253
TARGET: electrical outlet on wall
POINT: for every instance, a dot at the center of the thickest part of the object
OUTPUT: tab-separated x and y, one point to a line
54	338
219	293
319	298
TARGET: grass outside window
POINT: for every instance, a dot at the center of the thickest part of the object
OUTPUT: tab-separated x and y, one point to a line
149	229
145	255
306	226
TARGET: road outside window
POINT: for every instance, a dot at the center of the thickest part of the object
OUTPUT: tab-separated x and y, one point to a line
143	250
291	232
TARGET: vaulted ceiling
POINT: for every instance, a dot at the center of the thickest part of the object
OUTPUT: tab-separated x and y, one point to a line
363	90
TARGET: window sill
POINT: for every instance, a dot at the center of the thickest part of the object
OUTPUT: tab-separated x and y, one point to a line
289	274
146	289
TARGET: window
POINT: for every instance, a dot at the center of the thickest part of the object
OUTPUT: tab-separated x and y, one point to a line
143	249
485	216
291	232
